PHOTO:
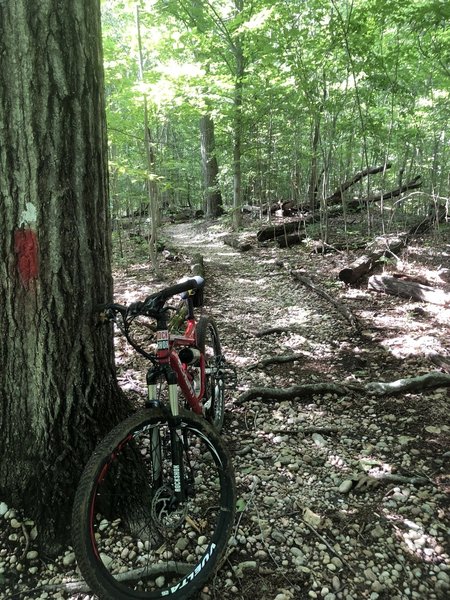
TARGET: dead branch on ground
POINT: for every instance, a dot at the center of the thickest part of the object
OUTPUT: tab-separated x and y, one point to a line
341	308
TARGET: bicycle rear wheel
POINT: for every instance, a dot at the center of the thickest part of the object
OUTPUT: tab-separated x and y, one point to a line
132	538
208	342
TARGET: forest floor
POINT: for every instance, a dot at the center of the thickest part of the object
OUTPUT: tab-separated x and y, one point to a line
340	495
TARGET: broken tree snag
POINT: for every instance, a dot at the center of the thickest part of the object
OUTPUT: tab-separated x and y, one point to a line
272	232
341	308
408	289
293	393
428	381
382	246
236	243
336	197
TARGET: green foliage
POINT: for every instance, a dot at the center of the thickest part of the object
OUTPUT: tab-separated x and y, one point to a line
371	77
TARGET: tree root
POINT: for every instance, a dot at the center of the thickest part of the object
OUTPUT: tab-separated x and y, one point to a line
297	391
272	360
377	388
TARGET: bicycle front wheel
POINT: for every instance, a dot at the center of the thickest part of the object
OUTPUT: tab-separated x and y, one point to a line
132	535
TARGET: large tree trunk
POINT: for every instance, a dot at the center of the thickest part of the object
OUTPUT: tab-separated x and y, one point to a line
58	391
213	197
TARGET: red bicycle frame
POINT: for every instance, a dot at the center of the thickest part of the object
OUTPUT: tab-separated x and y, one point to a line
167	345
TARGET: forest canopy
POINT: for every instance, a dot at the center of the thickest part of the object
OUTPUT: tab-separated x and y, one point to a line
301	95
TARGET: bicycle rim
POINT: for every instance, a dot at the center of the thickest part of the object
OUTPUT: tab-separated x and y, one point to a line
132	538
208	341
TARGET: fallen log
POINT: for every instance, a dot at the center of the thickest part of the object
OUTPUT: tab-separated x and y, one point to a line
418	384
286	241
411	185
296	391
337	196
408	289
275	360
271	232
382	246
436	215
236	243
440	361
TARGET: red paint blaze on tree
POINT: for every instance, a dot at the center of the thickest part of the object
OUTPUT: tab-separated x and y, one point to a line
26	249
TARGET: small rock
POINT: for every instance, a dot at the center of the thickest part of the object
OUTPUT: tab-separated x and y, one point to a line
106	560
278	536
68	559
318	440
336	583
269	500
182	544
32	555
15	524
3	509
370	575
346	486
377	532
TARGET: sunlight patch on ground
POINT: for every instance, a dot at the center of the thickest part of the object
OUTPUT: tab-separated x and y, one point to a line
296	315
416	539
228	253
408	345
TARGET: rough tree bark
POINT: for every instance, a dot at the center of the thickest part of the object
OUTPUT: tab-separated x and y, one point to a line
58	391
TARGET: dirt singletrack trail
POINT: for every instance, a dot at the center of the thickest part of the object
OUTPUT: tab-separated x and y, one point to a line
338	496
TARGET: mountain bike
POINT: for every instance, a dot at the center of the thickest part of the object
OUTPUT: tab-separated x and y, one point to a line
155	505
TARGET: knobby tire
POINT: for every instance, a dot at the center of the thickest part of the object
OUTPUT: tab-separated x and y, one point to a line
132	538
208	342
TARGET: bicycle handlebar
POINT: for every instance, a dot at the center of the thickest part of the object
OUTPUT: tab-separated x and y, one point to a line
193	283
153	304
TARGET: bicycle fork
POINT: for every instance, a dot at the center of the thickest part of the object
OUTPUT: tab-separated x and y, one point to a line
175	431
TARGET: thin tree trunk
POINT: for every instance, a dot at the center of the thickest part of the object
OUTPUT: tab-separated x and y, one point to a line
213	197
237	142
151	187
